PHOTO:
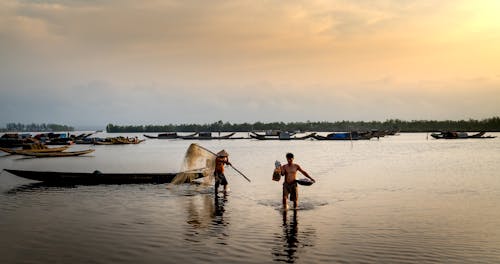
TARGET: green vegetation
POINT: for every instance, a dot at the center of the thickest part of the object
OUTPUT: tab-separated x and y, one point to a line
489	124
13	127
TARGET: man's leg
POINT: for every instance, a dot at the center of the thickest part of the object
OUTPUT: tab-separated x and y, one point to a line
285	197
295	197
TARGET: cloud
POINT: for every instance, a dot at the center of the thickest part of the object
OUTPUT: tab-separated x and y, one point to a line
191	61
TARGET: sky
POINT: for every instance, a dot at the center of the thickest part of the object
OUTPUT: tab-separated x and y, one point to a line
92	62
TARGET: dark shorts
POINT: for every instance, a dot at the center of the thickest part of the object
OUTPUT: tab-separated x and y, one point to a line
220	178
290	189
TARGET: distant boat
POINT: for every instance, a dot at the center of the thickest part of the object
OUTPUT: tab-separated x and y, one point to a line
354	135
52	154
169	135
281	136
459	135
12	140
209	136
41	150
119	141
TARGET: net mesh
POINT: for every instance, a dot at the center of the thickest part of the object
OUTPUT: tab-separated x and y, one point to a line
196	160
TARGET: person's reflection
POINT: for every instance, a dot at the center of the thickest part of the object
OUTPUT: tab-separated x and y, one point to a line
290	236
205	217
219	207
199	211
291	239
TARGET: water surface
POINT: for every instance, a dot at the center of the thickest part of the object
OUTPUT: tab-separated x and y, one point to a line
401	199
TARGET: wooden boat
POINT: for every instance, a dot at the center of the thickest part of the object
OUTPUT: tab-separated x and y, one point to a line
53	154
96	177
459	135
169	135
274	133
13	140
208	136
89	141
41	150
281	136
119	141
345	136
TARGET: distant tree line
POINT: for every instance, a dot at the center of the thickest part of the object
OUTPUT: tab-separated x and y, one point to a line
18	127
489	124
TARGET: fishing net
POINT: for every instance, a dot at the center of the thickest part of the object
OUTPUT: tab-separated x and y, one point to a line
197	160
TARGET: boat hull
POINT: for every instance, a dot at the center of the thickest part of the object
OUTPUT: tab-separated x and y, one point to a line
459	135
95	177
53	154
262	137
44	150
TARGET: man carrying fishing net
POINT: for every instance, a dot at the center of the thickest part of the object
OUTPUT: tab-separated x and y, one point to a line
220	179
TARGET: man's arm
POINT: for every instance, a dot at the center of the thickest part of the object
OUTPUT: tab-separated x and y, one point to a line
305	173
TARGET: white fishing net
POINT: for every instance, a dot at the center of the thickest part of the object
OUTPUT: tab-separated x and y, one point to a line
196	160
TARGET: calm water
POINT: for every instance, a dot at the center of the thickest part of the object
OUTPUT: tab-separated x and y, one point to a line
402	199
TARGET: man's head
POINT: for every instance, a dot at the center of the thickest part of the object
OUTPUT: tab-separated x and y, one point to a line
289	155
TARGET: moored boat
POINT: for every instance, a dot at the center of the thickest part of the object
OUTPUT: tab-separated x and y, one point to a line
459	135
13	140
209	136
354	135
41	150
169	135
119	141
281	136
96	177
53	154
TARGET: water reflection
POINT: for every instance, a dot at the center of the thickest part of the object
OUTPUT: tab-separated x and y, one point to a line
291	239
219	203
205	216
38	187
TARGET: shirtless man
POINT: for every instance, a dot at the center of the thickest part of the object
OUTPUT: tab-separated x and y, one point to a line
289	170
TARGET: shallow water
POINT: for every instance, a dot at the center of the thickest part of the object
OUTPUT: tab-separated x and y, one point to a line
400	199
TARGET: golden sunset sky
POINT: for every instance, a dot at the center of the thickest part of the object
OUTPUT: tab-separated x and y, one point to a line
159	62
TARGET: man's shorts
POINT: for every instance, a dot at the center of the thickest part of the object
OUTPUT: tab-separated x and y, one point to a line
290	189
220	179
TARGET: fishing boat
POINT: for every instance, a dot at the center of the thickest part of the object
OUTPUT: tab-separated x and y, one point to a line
459	135
34	150
13	140
96	177
169	135
163	136
52	154
280	136
345	136
209	136
119	141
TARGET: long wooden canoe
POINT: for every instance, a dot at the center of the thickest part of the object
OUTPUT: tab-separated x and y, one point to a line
262	137
208	136
43	150
53	154
459	135
96	177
